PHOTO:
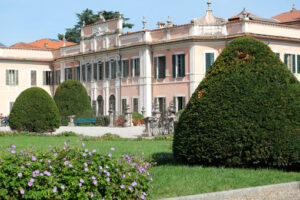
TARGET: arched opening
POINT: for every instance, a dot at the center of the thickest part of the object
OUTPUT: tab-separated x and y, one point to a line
112	102
100	105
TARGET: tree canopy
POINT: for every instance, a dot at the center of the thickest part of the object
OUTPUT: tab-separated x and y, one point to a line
88	16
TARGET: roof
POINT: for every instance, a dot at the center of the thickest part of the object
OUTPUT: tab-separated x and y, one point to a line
50	43
23	45
293	15
238	16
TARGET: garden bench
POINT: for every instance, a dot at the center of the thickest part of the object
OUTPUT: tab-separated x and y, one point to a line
92	121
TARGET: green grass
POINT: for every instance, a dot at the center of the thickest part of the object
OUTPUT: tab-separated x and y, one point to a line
169	179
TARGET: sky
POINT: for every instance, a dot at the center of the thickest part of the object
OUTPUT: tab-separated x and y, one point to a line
31	20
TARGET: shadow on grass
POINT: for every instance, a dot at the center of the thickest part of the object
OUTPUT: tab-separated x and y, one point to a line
164	158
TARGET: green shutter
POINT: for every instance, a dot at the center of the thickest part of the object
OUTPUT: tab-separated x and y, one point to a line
120	68
298	61
174	65
164	66
174	103
44	77
131	67
17	77
293	63
107	69
286	59
7	77
207	61
183	102
183	66
137	67
155	67
95	71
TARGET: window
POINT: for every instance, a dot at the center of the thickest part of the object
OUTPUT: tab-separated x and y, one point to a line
94	106
95	72
135	105
33	80
12	77
68	74
124	104
57	77
113	70
83	73
112	103
77	73
125	68
179	103
89	73
178	65
160	67
107	69
101	71
48	77
290	61
100	105
161	104
135	67
209	60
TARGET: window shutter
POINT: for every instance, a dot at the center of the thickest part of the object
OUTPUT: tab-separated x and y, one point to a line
131	67
7	77
183	102
298	61
155	67
52	78
164	66
107	69
44	77
286	59
183	66
164	105
95	71
120	68
17	77
137	67
174	65
174	103
207	60
294	63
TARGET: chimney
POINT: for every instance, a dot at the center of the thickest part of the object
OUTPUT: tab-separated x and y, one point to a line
46	45
161	24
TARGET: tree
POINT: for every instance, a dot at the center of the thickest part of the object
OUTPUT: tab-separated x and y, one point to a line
71	98
245	113
88	16
34	110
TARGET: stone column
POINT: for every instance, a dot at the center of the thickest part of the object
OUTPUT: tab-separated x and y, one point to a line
111	117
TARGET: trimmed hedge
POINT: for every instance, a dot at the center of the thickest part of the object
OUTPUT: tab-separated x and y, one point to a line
245	113
34	110
71	98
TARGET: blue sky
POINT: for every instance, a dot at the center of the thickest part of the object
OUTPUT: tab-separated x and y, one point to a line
30	20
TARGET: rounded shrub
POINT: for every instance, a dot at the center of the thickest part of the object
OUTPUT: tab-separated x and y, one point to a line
34	110
71	98
245	113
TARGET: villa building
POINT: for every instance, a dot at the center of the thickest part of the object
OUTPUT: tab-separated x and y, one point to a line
163	65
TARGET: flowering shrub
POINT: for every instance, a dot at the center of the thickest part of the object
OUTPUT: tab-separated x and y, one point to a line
120	122
72	173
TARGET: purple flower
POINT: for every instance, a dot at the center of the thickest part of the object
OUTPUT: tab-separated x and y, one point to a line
79	184
129	174
85	164
86	169
22	191
150	179
84	154
100	167
142	196
41	174
83	144
29	184
93	177
62	187
94	150
20	174
50	167
13	146
109	155
123	176
50	148
107	179
90	153
54	189
86	150
32	180
107	173
21	167
47	173
106	167
66	162
13	151
95	182
55	154
134	183
130	188
122	186
49	161
81	181
33	158
112	149
27	164
70	165
92	194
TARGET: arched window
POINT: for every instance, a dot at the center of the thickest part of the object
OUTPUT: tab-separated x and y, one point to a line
100	105
112	102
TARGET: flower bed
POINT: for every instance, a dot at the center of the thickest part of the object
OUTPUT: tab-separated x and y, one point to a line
72	173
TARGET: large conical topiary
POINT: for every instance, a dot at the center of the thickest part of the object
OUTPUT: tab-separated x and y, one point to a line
34	110
245	113
72	99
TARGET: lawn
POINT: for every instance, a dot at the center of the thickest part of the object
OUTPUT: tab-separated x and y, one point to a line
169	179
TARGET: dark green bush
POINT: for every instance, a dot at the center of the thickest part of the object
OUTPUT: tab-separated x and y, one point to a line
102	121
137	116
71	98
245	113
34	110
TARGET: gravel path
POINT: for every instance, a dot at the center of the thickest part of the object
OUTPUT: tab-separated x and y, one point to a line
129	132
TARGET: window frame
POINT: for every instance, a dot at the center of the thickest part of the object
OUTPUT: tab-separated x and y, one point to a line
36	77
16	77
205	61
157	67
